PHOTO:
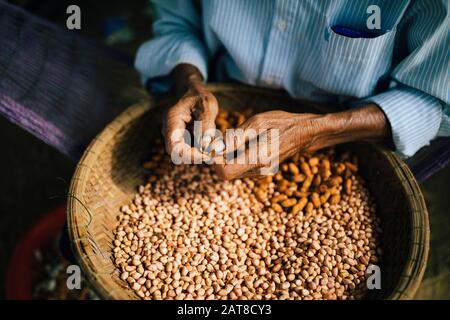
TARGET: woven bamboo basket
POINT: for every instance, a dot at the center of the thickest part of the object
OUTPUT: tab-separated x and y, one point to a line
111	169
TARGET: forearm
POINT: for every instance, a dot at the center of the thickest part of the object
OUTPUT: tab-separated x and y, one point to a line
365	123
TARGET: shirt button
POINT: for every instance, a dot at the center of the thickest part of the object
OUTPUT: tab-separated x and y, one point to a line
281	25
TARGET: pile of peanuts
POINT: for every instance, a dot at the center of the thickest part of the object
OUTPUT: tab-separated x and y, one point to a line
308	232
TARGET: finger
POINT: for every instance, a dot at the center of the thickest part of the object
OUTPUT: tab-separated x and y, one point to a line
254	174
232	171
215	152
175	123
182	153
217	146
208	110
238	140
262	171
255	148
247	132
229	168
207	114
270	169
258	159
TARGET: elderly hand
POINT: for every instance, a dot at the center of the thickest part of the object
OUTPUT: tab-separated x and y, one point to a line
301	133
196	103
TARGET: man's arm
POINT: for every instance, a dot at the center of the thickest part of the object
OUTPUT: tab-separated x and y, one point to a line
195	103
306	133
178	53
177	41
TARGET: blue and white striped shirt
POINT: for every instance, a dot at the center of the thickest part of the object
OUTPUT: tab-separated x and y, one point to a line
292	45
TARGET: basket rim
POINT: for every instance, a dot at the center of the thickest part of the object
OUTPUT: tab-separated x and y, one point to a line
412	272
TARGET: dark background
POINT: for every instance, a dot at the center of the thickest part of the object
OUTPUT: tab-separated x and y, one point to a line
34	177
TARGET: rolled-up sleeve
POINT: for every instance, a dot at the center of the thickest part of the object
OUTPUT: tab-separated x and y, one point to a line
415	117
178	39
418	107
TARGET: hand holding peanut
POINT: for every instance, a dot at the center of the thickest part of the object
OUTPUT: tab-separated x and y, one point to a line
307	133
195	103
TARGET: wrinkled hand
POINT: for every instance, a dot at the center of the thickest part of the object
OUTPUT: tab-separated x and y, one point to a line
301	133
296	132
196	103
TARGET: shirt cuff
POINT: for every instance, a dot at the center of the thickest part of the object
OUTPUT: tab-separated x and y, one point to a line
415	117
444	129
159	56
